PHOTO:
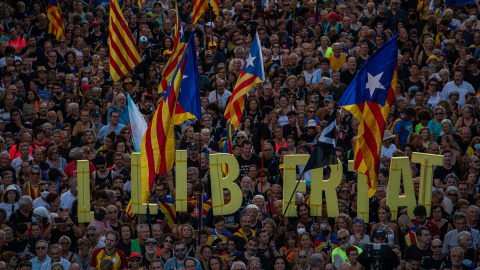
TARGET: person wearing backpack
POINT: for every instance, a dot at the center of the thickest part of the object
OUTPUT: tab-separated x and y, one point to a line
404	127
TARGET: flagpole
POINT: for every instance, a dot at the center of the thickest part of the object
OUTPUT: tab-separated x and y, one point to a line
261	171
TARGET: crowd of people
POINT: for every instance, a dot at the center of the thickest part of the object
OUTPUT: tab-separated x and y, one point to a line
59	104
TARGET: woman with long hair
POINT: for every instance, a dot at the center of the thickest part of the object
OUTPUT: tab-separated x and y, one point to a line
112	217
438	213
434	88
126	235
62	112
69	65
188	135
30	107
215	262
448	142
291	246
187	234
467	119
390	228
247	126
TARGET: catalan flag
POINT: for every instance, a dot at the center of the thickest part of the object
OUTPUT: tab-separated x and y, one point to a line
56	21
158	144
478	93
167	206
215	6
252	73
179	46
199	7
123	51
369	98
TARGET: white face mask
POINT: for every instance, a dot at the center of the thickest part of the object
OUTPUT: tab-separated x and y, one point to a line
44	194
102	239
301	230
473	18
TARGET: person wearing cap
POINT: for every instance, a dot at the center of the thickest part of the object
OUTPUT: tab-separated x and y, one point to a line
192	160
150	252
10	200
333	23
404	127
458	84
110	252
390	262
311	133
387	149
147	55
97	37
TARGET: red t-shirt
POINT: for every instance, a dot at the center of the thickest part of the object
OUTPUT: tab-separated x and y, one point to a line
71	168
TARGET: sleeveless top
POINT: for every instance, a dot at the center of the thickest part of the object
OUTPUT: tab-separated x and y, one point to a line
107	179
32	192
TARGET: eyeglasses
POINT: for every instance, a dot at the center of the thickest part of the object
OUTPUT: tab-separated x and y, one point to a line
90	235
168	241
358	220
311	127
64	243
136	259
433	84
438	113
345	191
302	256
35	173
437	246
452	194
41	248
311	111
180	250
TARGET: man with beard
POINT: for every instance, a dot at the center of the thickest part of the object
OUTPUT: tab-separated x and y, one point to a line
150	249
42	115
457	255
179	260
458	84
344	241
245	231
110	252
422	247
438	260
252	247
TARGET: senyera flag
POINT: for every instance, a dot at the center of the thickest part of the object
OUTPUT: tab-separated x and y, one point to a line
56	21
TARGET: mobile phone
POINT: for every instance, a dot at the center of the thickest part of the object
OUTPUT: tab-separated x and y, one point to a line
60	220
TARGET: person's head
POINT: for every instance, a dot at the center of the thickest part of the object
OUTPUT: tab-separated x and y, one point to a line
464	240
180	250
460	221
457	255
378	236
424	235
54	252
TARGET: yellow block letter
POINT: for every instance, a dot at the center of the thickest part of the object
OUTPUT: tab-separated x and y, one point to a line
363	208
181	180
83	182
328	185
426	176
400	169
219	183
139	207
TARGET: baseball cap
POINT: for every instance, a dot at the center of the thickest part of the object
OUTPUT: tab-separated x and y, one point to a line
432	57
148	97
208	52
95	22
127	81
192	145
85	86
209	24
212	44
150	240
312	123
41	68
328	98
379	232
143	39
95	113
135	255
167	52
332	15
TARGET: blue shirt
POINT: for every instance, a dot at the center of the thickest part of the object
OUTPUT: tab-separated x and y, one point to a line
404	128
36	264
102	134
124	118
172	264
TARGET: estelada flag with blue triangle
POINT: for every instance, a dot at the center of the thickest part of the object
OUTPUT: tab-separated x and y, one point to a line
369	98
251	74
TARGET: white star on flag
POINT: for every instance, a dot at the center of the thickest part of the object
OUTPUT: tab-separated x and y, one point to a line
184	76
249	61
374	83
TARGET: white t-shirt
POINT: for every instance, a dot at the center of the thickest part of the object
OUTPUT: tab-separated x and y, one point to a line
387	152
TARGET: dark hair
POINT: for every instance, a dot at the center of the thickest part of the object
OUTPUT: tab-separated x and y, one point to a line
420	211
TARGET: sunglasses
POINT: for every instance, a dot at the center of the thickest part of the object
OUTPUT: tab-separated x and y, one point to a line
180	250
136	259
168	241
41	248
113	212
438	113
437	246
302	256
432	84
343	238
42	190
358	220
345	191
90	235
35	173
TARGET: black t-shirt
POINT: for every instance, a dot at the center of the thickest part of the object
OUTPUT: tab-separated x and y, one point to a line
65	153
263	260
391	262
244	164
440	172
413	87
474	80
431	263
412	249
38	122
289	130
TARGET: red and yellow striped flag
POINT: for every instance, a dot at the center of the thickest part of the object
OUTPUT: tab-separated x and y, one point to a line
199	7
124	55
215	7
369	98
56	21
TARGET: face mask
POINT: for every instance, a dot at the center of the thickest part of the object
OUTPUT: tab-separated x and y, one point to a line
44	194
265	59
477	146
251	252
473	18
301	230
325	232
102	239
34	219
